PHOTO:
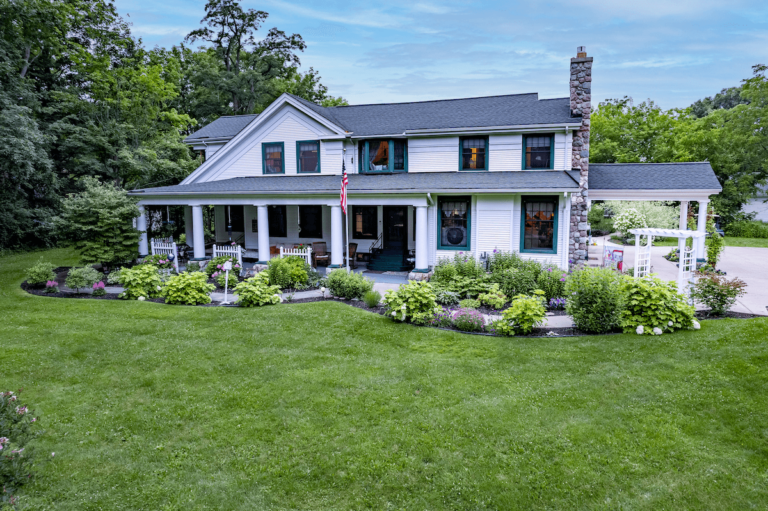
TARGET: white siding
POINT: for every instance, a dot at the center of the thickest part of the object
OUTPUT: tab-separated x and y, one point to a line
494	223
287	126
439	154
569	151
505	152
560	144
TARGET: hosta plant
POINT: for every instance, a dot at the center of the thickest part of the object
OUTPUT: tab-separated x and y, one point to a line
256	292
188	288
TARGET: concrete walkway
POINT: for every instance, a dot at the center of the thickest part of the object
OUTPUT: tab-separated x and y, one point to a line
748	264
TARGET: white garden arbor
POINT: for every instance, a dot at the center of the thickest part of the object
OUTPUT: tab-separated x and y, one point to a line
687	263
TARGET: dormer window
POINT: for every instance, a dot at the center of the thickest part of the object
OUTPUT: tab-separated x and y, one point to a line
538	151
382	155
474	153
273	158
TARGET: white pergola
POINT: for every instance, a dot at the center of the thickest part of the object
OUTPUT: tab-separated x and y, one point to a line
687	263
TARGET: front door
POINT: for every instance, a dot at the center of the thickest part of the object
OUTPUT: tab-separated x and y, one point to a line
395	230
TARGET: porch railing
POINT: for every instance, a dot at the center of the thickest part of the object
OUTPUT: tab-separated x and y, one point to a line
229	250
305	253
166	247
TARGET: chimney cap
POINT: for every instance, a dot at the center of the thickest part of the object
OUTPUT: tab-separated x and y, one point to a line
581	52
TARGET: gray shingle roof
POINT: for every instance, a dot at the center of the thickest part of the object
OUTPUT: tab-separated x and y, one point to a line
395	118
223	127
653	176
422	182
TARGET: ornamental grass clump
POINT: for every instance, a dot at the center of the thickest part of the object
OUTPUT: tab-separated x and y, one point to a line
80	278
140	282
40	273
655	305
256	292
594	299
717	292
414	302
17	430
468	320
372	299
188	288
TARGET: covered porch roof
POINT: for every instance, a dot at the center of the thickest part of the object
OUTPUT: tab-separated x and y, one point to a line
680	181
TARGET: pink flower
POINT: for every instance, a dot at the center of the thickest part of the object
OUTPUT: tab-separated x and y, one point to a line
21	410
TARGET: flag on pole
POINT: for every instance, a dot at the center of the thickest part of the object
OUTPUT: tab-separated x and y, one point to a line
344	183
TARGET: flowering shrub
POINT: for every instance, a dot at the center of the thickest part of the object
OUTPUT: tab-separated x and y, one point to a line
348	285
414	301
595	300
51	286
78	278
188	288
523	315
221	278
628	219
655	305
552	281
98	289
140	282
493	298
256	292
16	457
40	273
468	320
717	292
556	304
161	261
217	264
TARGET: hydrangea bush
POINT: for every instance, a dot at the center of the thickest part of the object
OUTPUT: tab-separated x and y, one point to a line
414	301
188	288
628	219
140	282
655	305
256	292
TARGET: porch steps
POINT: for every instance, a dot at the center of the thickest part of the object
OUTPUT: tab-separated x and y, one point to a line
388	260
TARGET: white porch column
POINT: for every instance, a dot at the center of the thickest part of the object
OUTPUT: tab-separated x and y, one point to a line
337	237
683	215
198	232
422	257
701	227
188	221
262	219
141	224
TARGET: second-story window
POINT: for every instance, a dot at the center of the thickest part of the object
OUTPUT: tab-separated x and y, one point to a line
308	156
383	155
474	153
273	158
538	151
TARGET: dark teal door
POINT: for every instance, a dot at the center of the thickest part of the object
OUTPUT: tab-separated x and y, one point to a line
395	230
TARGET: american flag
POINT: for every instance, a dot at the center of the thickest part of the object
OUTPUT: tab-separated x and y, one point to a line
344	183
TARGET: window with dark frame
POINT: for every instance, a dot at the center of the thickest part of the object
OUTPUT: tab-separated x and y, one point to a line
273	155
310	221
539	229
278	222
382	155
308	156
538	150
454	225
474	153
365	222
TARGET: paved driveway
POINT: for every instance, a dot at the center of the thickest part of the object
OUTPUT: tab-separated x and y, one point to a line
749	264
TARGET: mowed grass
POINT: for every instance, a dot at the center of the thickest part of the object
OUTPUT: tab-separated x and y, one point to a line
324	406
746	242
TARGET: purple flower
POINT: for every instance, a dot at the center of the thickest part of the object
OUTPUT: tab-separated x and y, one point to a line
562	280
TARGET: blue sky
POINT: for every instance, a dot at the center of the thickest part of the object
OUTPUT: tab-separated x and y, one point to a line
671	51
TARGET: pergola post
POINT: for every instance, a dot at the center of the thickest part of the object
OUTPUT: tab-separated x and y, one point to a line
683	215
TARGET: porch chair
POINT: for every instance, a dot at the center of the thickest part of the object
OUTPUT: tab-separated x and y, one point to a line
273	251
320	254
352	255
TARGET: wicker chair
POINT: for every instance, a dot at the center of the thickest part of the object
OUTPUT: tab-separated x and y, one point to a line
320	254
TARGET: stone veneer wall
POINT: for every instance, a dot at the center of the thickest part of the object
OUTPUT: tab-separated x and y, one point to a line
581	97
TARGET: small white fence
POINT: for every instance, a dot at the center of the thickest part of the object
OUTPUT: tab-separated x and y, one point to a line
166	246
304	253
229	250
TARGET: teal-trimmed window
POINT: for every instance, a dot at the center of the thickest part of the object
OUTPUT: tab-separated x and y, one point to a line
454	223
273	158
308	156
382	155
538	229
473	153
538	152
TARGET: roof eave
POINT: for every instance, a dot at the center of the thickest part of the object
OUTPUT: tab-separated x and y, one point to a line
427	132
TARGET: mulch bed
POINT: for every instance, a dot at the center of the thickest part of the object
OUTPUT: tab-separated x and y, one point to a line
728	315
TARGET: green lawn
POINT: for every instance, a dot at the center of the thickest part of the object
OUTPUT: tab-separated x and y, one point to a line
323	406
746	242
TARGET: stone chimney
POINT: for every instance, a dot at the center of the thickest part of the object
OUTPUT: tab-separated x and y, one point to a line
581	105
